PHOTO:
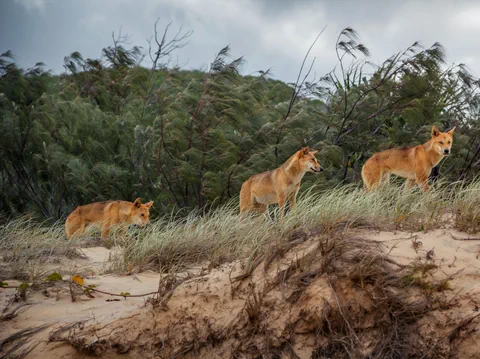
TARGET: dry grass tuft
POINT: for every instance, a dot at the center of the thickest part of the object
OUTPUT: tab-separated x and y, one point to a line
26	246
466	198
374	311
309	275
219	236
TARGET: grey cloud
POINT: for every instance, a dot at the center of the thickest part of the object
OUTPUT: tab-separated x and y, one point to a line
269	33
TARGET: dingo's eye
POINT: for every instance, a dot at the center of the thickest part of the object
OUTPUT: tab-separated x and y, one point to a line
143	215
449	142
441	142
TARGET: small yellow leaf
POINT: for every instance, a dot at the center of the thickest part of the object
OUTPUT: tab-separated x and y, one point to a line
77	279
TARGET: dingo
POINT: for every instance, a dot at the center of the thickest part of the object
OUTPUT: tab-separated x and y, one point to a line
278	185
413	163
106	215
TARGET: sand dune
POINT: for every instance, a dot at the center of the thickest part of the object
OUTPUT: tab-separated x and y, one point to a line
212	308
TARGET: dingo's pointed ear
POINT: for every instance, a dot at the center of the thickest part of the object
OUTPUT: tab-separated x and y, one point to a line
149	204
435	131
314	152
137	203
305	150
451	131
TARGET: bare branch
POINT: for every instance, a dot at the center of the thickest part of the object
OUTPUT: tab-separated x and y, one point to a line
297	89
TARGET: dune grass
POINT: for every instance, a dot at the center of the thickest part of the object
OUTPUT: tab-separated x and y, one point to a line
26	245
466	207
220	236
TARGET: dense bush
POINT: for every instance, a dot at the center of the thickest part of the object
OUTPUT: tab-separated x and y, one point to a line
110	128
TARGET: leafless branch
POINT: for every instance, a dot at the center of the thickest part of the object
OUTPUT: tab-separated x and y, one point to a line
297	89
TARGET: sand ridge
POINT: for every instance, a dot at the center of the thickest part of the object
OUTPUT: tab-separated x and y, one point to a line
214	303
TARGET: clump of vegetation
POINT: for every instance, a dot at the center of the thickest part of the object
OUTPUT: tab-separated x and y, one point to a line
118	128
220	236
26	246
467	211
339	296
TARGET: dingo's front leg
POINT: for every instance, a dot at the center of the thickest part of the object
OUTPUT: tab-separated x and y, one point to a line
292	198
105	230
409	183
422	180
281	205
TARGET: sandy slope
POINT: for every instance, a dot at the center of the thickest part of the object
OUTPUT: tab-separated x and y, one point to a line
451	255
214	308
54	305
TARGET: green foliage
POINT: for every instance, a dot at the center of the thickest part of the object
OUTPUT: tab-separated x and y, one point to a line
54	277
89	289
109	128
22	290
125	294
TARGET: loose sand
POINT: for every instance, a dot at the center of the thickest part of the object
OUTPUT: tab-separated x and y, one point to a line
211	305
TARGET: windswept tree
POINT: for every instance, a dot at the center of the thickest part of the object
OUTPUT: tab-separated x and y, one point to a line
132	123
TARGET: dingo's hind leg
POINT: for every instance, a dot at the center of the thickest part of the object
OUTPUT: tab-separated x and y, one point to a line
260	207
385	178
372	175
74	225
105	231
246	200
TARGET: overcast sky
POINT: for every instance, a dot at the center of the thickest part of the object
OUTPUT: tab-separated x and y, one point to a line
268	33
